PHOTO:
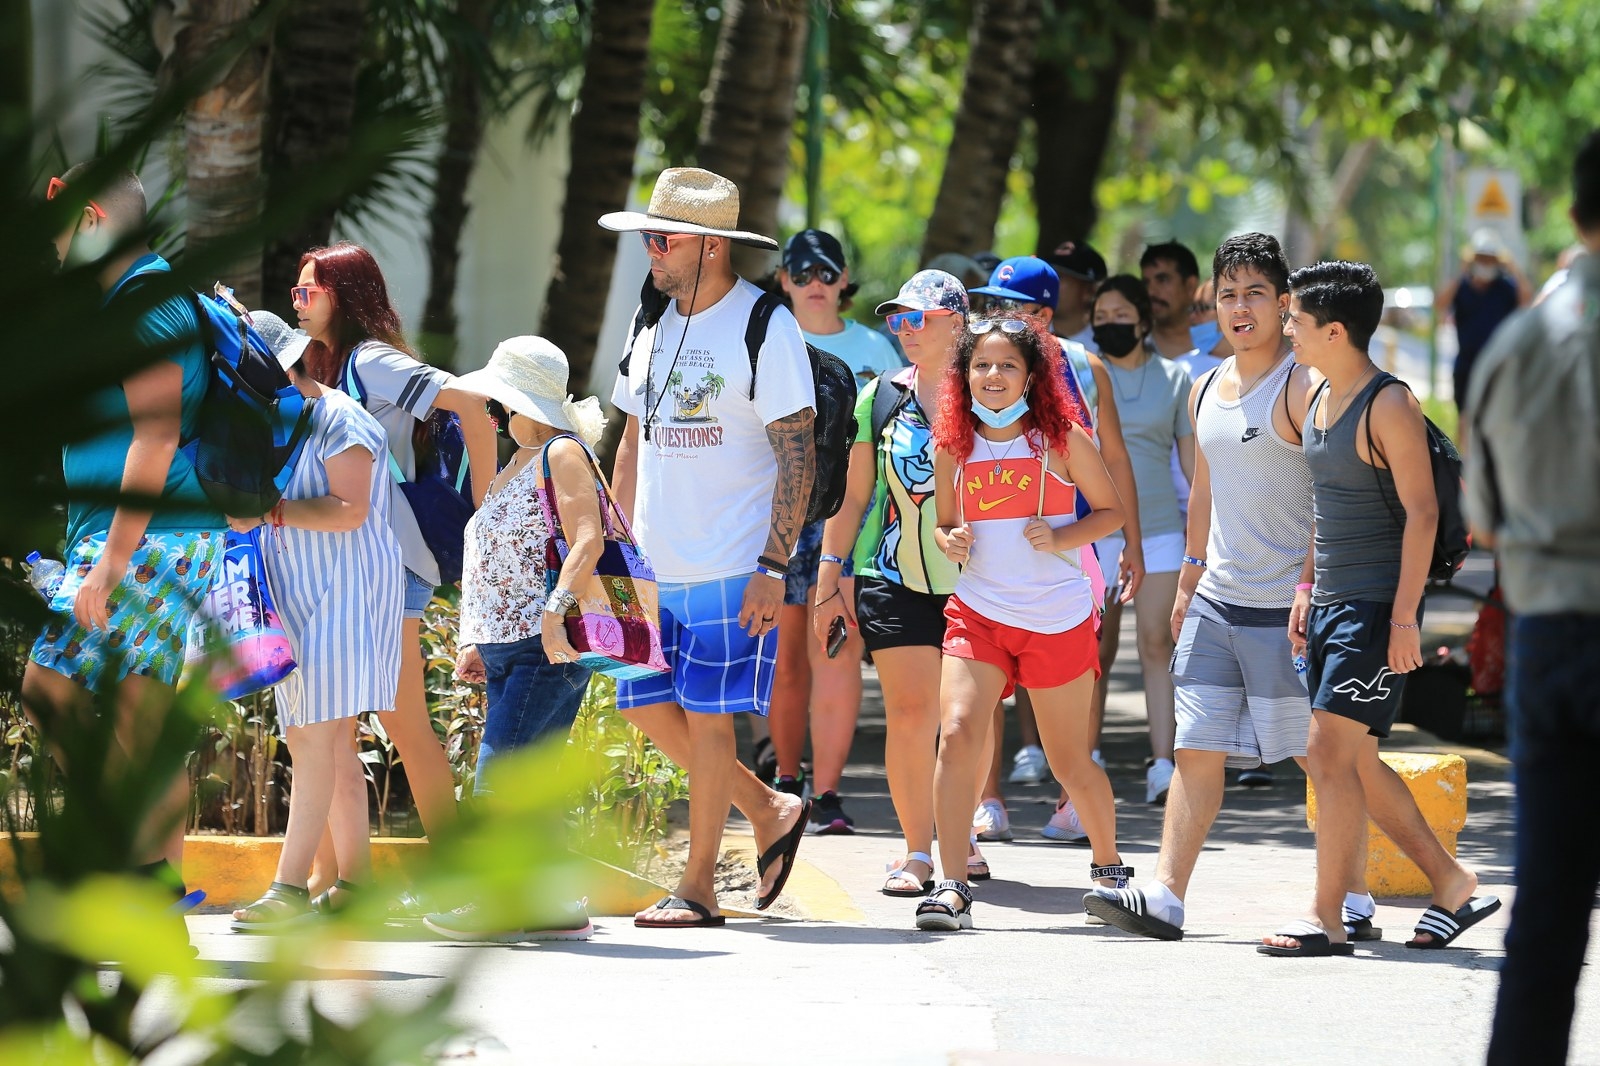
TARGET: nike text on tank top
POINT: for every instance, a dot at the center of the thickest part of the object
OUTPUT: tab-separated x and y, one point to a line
1005	579
1359	525
1260	496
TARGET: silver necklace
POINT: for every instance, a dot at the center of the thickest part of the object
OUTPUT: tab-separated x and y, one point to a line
1003	456
1143	372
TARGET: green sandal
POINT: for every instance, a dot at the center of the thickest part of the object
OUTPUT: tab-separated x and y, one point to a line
329	903
280	907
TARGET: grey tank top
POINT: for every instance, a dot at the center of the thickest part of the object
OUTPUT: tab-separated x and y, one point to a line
1360	524
1260	496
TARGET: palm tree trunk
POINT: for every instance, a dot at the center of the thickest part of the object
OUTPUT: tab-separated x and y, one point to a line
222	138
605	138
314	69
1073	136
748	122
458	155
16	94
988	121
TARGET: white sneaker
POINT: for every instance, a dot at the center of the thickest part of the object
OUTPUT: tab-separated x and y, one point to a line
1064	825
1157	781
1029	767
991	822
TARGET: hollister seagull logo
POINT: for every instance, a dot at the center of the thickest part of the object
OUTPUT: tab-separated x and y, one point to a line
1367	691
1251	434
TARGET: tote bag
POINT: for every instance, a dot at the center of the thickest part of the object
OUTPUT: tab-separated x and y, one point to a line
616	626
235	639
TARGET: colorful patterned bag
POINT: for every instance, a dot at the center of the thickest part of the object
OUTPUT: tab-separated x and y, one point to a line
616	627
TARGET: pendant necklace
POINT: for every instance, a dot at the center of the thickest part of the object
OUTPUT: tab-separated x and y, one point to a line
998	459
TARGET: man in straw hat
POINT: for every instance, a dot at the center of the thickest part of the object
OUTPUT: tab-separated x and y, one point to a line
716	469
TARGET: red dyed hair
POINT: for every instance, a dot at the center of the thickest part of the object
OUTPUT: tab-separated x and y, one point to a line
1051	408
361	307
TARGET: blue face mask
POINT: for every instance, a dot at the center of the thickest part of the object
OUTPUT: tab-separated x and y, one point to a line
1002	418
1205	336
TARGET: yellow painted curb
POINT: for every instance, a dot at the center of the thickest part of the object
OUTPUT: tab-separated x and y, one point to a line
1439	785
819	896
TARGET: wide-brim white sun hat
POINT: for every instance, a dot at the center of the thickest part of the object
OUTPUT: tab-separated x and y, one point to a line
285	342
690	200
528	376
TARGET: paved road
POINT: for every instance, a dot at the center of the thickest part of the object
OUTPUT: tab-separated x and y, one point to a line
1032	984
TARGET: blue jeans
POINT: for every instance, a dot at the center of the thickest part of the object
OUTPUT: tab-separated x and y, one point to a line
530	698
1554	702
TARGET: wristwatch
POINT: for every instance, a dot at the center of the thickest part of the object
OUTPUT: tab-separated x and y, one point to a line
560	602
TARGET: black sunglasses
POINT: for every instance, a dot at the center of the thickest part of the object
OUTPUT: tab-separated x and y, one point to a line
825	274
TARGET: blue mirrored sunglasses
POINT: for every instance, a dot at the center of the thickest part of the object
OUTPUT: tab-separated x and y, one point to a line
911	321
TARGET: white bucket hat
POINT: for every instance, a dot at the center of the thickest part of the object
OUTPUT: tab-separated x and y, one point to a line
690	200
528	375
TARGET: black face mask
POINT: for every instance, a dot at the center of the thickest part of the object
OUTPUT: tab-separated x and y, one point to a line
1116	339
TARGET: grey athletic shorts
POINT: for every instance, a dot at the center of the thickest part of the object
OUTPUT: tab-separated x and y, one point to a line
1235	686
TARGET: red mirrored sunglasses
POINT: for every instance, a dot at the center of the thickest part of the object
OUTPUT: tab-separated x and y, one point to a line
57	186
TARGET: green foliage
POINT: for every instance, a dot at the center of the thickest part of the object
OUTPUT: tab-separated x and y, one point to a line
622	811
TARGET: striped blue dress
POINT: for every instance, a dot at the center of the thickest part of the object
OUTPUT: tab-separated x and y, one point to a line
339	595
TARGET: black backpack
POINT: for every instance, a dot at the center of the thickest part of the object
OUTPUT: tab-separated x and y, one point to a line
252	424
1451	540
834	427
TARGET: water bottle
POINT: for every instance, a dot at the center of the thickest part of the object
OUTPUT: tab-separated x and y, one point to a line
45	574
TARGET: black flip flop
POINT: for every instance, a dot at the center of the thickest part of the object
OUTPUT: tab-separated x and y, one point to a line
1314	943
705	919
1360	929
1445	927
783	849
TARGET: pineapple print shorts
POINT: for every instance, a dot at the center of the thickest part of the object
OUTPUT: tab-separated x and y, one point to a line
167	578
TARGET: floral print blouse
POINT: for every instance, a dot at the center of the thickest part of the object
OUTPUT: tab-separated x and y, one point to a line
503	567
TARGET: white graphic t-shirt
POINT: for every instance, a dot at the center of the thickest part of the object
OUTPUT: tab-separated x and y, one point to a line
703	506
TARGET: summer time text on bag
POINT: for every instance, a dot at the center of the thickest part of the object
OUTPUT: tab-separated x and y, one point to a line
235	638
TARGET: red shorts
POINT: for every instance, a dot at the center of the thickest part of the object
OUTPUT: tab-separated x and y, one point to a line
1032	660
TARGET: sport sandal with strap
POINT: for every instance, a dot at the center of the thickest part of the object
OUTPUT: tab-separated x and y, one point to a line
905	885
1121	876
282	906
935	915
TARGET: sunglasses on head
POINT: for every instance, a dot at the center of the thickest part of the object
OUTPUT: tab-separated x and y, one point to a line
911	321
300	295
825	274
1007	303
57	187
1004	325
661	243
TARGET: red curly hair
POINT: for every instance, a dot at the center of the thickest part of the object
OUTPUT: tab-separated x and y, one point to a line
1052	410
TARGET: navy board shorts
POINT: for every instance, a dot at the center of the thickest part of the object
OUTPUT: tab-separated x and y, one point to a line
803	563
1347	663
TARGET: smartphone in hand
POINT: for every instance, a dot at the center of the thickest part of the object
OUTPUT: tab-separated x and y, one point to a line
836	637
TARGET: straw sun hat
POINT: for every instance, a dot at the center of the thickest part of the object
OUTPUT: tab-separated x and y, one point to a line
690	200
528	375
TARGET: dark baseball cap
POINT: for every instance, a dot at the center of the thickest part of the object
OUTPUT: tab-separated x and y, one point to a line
1025	277
813	247
1077	259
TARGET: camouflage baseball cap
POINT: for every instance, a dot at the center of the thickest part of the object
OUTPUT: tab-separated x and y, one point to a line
929	290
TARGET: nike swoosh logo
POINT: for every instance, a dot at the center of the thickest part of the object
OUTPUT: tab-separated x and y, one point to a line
1250	434
989	505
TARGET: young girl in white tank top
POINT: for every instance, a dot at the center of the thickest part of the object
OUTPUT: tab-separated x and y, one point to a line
1012	457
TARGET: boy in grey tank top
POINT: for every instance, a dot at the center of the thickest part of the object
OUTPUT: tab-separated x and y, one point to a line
1375	521
1239	698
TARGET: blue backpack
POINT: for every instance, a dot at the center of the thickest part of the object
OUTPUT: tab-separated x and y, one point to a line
253	423
441	495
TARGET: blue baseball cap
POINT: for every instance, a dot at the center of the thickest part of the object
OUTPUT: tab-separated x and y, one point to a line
1024	277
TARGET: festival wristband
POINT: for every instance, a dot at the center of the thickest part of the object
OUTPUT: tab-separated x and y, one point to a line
767	571
1192	561
832	559
777	566
1304	586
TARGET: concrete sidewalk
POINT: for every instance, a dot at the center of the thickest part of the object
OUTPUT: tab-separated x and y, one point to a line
856	983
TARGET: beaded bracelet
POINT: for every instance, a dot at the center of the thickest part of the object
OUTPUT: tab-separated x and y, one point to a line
1402	625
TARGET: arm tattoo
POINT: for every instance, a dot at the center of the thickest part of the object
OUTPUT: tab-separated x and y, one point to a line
794	445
